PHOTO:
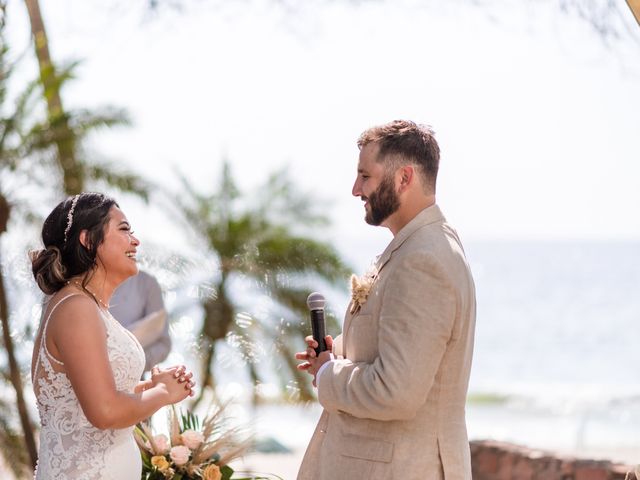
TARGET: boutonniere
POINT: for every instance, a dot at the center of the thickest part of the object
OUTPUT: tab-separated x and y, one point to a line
360	288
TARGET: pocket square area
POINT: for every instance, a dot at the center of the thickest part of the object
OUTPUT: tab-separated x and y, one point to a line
366	448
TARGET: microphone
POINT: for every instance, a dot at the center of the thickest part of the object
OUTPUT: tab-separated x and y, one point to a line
315	302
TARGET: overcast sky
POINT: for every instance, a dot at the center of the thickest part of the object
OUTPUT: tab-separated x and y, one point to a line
536	116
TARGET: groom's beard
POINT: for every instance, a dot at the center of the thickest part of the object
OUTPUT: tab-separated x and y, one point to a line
383	202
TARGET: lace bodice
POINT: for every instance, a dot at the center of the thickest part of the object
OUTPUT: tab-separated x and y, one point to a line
71	448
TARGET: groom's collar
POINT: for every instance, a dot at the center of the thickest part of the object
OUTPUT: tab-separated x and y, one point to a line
427	216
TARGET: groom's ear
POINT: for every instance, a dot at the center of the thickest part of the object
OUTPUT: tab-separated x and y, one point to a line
406	176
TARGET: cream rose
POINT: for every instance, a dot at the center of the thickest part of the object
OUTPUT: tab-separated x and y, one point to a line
212	472
192	439
160	462
180	455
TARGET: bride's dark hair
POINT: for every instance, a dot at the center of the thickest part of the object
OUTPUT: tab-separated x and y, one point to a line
63	256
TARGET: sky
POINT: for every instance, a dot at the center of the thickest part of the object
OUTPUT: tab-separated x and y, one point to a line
536	115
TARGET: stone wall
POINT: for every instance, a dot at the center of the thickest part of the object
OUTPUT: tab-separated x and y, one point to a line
504	461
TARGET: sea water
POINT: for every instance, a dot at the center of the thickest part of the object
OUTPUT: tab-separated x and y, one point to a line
557	351
556	358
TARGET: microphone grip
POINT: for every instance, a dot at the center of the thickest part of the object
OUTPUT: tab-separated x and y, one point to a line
317	329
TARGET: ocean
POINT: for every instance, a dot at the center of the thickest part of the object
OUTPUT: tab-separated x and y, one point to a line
557	351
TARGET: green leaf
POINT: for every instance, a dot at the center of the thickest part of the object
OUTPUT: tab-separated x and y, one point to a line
226	472
146	459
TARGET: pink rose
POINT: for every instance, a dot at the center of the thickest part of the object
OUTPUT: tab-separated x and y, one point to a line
180	455
192	439
162	442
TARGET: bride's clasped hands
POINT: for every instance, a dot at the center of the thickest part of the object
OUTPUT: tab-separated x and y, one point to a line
175	382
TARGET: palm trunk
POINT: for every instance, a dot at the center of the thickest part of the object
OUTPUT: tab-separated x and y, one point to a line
73	176
218	315
207	376
16	378
255	380
301	379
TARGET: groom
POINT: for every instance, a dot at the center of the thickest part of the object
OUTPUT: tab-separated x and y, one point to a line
394	388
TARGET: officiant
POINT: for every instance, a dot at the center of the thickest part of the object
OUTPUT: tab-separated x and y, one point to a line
137	304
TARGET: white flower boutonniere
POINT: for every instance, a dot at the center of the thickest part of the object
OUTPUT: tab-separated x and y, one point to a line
360	288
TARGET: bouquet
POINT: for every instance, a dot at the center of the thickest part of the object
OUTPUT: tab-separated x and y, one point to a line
194	451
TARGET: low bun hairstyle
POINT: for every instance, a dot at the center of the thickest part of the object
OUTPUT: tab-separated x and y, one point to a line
48	269
63	258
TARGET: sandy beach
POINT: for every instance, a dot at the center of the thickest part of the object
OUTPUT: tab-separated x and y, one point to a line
284	465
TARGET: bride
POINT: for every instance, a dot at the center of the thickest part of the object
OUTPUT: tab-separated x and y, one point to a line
85	366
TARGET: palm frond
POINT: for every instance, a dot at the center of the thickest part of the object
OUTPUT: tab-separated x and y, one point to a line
86	121
54	78
194	207
116	177
258	237
26	100
174	427
37	138
279	200
219	439
294	254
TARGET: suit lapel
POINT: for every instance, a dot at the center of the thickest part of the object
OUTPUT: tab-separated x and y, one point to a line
345	328
427	216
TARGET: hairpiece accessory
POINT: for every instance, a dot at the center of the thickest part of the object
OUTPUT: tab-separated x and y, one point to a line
70	217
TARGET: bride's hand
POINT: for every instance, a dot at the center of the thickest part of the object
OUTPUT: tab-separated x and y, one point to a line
142	386
176	381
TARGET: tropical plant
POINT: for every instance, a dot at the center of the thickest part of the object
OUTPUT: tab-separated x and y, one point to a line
12	145
30	162
194	450
259	248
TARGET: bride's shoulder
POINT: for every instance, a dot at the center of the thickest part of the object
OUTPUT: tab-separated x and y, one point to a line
71	309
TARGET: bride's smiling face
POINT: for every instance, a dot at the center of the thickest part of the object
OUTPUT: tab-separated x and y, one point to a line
117	252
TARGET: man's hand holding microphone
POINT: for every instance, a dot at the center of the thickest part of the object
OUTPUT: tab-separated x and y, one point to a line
319	346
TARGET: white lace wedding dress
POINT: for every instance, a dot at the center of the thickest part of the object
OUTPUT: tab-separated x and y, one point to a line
71	448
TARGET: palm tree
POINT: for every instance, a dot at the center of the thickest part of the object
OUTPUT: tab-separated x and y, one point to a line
12	145
64	141
66	129
258	247
29	158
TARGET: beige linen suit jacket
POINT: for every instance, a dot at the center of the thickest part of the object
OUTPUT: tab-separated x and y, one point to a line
394	399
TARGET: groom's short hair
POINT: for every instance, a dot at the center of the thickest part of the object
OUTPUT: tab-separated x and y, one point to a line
403	141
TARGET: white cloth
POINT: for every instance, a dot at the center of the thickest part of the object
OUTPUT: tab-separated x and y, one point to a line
323	367
71	448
